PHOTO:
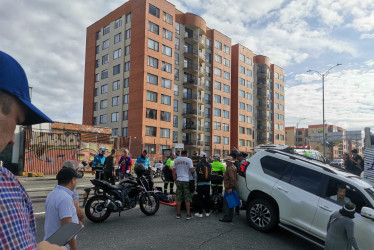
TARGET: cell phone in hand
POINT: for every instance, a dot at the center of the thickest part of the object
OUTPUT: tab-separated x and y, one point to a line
65	233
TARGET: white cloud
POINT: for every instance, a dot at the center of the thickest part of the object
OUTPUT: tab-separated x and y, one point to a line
367	36
349	96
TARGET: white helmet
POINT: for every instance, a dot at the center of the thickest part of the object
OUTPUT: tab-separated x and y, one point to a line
102	150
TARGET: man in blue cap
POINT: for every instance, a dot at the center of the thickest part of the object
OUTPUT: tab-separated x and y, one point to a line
17	220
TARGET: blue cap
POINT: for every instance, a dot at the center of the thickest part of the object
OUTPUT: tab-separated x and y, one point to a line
13	80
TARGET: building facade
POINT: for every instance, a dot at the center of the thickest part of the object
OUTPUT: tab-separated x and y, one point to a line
163	78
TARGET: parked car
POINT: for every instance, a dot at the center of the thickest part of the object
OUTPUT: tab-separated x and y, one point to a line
337	163
295	193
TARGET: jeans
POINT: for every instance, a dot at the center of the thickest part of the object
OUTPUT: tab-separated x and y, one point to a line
203	192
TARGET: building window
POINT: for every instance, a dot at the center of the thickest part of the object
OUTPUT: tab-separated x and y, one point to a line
207	98
207	112
282	97
167	34
226	127
97	63
242	57
106	44
226	101
176	43
242	118
208	57
125	99
217	98
97	49
94	120
242	81
226	88
166	83
152	44
176	74
218	58
127	50
150	131
151	96
249	131
165	116
249	108
168	18
98	35
177	28
217	139
225	141
96	92
153	10
226	62
114	131
241	142
103	104
249	96
249	61
105	59
249	72
216	125
153	62
96	106
125	115
208	43
175	121
241	93
226	75
106	29
152	79
117	53
218	45
163	147
217	112
241	130
151	148
153	27
127	67
104	89
115	117
166	67
249	119
249	143
126	82
276	96
165	99
151	113
242	105
249	84
242	70
217	85
282	137
226	114
128	18
175	106
217	72
125	131
166	50
176	58
102	119
115	101
117	38
128	34
227	49
116	69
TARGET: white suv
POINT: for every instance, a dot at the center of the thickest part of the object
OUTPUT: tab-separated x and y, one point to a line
296	193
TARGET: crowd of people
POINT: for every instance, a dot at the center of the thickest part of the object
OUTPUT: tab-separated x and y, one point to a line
353	164
17	219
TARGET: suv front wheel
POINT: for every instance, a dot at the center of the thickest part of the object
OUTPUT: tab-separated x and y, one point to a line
261	215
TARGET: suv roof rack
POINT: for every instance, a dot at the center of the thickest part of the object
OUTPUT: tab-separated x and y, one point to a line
300	157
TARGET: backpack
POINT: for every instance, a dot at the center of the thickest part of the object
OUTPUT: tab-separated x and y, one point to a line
204	172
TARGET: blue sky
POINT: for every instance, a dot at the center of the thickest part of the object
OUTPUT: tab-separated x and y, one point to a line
48	38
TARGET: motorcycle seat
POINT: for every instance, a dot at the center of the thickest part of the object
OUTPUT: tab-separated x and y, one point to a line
117	187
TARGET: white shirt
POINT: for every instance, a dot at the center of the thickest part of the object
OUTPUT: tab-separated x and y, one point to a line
182	166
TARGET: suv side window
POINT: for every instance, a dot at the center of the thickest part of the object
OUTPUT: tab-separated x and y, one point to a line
352	194
273	166
307	179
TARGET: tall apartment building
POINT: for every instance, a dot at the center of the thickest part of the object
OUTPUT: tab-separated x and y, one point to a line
339	140
163	77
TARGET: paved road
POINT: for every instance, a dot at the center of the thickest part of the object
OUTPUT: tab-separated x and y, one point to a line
134	230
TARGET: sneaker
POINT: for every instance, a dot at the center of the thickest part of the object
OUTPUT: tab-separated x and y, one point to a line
199	215
188	217
207	214
178	216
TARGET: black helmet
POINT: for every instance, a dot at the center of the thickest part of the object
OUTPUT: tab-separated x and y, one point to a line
139	169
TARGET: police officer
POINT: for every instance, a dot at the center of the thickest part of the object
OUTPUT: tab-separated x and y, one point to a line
217	174
98	163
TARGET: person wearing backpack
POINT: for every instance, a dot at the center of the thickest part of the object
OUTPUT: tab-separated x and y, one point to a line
204	173
217	174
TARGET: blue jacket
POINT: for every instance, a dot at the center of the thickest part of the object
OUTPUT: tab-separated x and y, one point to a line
99	161
144	161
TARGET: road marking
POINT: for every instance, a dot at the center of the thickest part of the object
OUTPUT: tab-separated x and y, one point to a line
39	213
47	188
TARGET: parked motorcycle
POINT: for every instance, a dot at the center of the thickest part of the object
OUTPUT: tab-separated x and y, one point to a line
117	198
157	170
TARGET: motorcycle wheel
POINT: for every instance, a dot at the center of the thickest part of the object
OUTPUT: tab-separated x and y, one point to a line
80	174
149	205
95	209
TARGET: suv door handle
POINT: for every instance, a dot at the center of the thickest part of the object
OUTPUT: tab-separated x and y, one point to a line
325	208
282	189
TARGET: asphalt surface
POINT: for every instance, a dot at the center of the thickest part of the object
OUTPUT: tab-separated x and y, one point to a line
134	230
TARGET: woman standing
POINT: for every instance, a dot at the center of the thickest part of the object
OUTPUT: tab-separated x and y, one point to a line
340	229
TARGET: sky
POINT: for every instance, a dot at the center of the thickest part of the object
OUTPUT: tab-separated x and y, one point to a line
48	38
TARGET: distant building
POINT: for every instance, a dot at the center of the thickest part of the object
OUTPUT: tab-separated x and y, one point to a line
338	140
187	85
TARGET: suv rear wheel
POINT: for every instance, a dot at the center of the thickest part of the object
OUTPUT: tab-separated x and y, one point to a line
261	215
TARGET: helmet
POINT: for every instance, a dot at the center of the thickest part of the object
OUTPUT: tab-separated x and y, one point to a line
102	150
202	154
216	157
70	164
139	169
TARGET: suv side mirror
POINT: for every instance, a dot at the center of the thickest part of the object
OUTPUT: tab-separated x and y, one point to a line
367	213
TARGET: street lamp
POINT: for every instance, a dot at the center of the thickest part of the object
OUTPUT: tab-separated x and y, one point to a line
323	103
297	126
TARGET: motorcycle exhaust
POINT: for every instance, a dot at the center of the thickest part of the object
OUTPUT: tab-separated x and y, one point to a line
110	205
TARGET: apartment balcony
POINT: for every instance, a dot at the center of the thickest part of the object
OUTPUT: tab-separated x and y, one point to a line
207	129
201	42
192	53
193	113
192	38
200	129
189	129
193	143
264	106
193	98
190	67
264	72
201	57
202	72
192	82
